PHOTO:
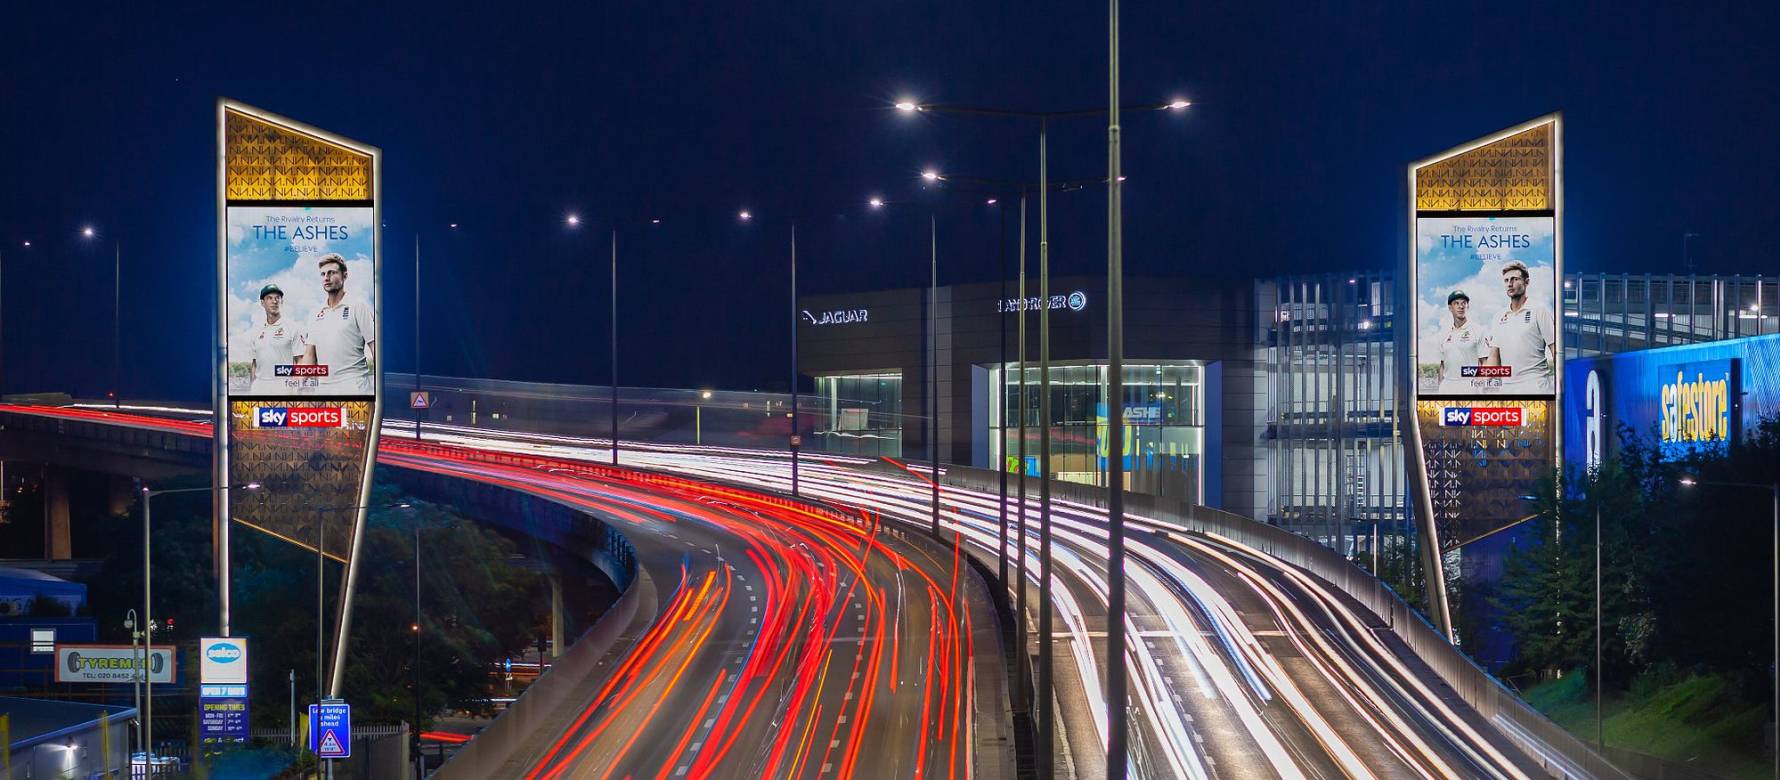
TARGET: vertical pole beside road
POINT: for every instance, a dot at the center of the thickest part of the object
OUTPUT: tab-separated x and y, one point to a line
411	405
1117	725
1001	399
416	729
148	626
795	444
1047	710
321	618
1022	657
933	359
117	317
614	349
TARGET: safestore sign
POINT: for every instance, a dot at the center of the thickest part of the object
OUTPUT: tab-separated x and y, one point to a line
222	661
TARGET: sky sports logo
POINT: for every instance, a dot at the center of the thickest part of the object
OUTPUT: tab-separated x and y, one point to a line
1486	372
309	417
1499	416
299	371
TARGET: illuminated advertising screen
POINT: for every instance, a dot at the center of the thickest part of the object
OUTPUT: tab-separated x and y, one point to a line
1486	307
300	315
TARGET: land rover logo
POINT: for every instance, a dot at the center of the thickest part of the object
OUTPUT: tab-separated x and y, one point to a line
1078	300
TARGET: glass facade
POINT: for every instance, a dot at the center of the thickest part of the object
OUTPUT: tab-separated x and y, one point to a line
861	414
1336	461
1328	348
1606	314
1164	407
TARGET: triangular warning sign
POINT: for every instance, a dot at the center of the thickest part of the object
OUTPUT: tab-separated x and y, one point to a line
329	745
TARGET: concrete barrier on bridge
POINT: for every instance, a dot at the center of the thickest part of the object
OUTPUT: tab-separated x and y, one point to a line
581	535
1559	751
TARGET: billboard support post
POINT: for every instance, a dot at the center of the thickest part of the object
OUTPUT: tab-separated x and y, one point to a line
1485	374
299	388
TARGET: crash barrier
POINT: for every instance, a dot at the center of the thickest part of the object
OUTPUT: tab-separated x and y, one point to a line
1559	751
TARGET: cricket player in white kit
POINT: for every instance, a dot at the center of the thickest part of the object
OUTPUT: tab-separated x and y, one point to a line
1462	345
274	344
340	335
1523	337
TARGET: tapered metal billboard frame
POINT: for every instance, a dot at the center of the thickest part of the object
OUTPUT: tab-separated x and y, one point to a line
1439	605
220	385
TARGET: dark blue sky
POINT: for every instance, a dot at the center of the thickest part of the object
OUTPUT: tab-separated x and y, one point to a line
502	120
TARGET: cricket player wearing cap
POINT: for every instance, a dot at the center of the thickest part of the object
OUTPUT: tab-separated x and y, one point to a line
341	335
1523	337
274	344
1462	345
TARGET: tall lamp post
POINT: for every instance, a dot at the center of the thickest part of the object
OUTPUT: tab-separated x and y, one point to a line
1118	726
573	221
148	623
1116	584
1774	492
796	441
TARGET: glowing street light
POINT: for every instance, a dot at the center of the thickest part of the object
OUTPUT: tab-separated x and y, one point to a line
572	220
745	215
876	203
1178	104
88	232
907	106
930	175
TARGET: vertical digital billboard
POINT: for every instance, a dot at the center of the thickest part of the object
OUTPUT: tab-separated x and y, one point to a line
1486	306
1485	270
298	387
300	322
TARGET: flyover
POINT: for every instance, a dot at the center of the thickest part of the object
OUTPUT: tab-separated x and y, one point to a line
759	637
1261	654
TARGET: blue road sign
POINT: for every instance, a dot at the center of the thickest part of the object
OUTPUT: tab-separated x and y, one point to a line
330	729
222	712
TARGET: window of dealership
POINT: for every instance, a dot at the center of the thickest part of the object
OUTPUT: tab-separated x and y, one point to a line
861	414
1164	405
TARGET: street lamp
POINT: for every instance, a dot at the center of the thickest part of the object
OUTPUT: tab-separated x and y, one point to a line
148	623
89	232
796	441
698	418
1116	693
572	222
135	679
1773	491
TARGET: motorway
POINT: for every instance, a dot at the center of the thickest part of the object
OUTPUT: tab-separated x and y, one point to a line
787	640
1243	666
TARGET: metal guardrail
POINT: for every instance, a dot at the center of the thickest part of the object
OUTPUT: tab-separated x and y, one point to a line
1559	751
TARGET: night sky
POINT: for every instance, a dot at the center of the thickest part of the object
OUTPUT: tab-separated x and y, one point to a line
504	118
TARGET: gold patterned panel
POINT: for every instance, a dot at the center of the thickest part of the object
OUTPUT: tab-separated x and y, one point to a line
308	476
1512	174
269	162
1477	474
